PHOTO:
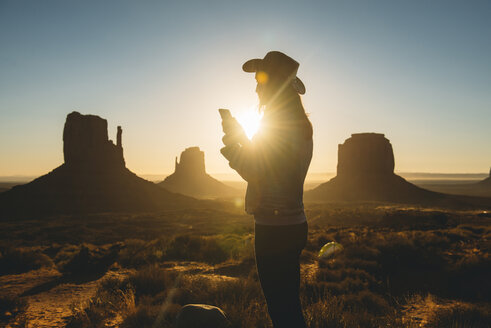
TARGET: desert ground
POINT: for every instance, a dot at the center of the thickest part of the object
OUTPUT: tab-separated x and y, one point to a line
401	267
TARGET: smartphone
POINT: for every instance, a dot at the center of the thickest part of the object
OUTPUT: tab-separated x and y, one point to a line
224	113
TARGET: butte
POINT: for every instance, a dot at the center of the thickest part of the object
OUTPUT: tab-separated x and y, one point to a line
365	172
190	178
93	178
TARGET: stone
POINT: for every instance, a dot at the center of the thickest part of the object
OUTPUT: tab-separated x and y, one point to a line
190	178
201	316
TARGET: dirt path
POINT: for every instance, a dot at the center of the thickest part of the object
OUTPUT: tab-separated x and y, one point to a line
51	300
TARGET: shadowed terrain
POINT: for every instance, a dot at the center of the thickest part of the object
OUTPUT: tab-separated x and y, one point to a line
401	267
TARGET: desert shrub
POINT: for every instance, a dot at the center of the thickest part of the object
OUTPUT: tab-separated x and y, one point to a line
65	254
469	277
196	248
330	275
20	260
237	246
142	316
112	297
323	309
461	316
366	301
150	280
413	219
90	260
326	312
359	251
148	316
241	299
11	306
137	253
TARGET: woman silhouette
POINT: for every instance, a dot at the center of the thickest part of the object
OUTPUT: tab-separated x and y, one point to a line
274	164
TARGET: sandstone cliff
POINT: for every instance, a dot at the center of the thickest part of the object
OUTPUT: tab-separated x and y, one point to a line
365	172
86	143
93	178
190	178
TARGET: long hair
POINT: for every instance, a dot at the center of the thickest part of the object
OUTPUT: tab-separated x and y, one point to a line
287	112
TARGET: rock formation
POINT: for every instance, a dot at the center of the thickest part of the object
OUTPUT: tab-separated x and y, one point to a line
93	178
190	178
486	183
86	143
192	162
365	172
365	154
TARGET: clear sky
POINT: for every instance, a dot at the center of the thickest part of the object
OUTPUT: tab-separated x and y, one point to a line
418	71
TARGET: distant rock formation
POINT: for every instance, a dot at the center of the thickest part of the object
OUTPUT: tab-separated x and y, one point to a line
486	183
93	178
365	154
86	143
365	172
190	178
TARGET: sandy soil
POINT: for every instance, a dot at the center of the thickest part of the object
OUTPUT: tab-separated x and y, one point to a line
51	298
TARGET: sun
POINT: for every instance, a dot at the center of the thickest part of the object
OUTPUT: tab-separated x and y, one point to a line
250	120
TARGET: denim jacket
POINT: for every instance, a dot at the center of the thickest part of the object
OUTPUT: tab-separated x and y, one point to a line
274	164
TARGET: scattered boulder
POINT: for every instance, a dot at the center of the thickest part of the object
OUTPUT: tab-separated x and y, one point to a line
190	178
93	179
201	316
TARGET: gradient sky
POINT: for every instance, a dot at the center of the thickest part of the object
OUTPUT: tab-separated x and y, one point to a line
418	71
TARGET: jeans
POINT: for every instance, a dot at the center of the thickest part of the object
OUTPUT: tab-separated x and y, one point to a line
278	251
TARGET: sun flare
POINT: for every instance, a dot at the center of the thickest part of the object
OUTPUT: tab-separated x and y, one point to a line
250	120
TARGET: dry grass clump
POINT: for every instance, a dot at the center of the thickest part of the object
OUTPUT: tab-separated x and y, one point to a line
148	315
11	307
114	296
138	253
241	298
462	315
196	248
150	281
90	260
213	249
22	259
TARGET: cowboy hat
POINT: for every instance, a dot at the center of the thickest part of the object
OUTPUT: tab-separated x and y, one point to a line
278	64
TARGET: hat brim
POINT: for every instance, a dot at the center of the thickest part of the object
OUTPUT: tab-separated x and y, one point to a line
255	65
252	65
298	85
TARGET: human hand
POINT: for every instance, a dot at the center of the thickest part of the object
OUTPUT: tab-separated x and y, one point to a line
234	133
230	151
231	126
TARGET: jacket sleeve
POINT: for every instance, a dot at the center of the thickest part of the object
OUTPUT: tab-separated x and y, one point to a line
243	159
